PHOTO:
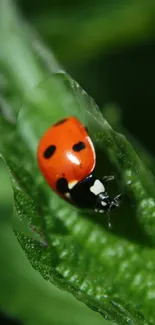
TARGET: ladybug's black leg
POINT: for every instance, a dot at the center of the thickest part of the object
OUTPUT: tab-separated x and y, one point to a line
109	221
108	178
114	202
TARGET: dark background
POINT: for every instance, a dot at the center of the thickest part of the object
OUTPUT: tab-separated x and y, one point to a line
123	74
8	320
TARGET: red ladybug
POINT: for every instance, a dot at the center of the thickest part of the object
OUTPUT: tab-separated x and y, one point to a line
67	159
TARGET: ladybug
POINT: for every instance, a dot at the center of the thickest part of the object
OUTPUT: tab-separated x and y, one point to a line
67	159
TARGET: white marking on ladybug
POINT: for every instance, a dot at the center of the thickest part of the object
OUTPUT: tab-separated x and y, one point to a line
72	184
103	203
97	188
68	195
99	211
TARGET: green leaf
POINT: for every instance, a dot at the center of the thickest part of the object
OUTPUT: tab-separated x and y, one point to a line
87	256
111	271
24	293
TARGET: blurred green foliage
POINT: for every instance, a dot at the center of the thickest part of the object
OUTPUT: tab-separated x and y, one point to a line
109	48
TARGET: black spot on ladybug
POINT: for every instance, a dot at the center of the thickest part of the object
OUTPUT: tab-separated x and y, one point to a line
79	146
61	122
62	185
48	153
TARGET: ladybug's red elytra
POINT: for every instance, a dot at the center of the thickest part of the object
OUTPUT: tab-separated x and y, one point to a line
67	160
